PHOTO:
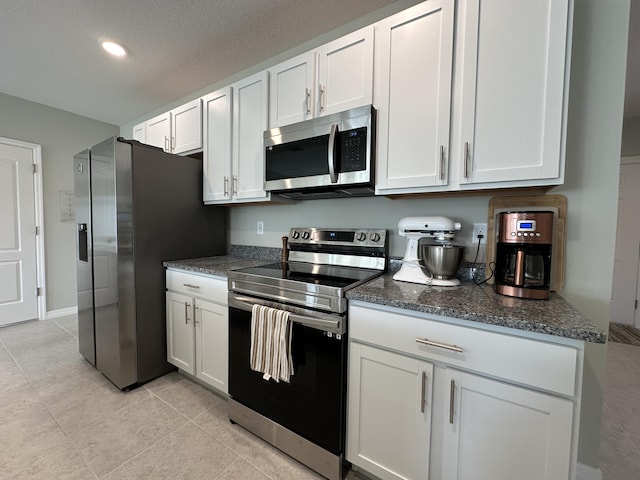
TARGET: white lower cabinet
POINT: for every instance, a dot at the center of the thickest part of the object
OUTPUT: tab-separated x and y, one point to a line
496	430
197	327
430	399
392	393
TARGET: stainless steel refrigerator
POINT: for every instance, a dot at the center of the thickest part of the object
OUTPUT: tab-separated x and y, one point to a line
136	206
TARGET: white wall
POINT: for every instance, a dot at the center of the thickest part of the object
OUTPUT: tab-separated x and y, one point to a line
61	135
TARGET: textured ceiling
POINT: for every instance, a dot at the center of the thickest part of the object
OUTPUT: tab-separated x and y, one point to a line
49	50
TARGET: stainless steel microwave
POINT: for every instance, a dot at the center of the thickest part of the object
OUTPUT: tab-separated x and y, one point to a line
330	156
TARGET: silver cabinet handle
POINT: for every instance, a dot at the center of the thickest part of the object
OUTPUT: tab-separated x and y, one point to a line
322	98
452	395
446	346
441	162
186	313
190	285
226	185
197	309
331	158
173	144
166	144
235	185
466	159
423	394
308	100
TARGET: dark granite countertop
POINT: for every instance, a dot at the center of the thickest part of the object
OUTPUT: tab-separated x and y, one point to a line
217	266
468	301
472	302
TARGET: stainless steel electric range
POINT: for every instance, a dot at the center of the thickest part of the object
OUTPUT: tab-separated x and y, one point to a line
306	417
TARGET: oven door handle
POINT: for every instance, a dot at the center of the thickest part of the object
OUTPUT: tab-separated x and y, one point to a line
334	325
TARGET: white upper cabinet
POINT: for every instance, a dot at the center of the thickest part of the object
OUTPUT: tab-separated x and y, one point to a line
513	56
250	120
335	77
345	72
186	127
216	160
235	119
414	61
292	90
159	131
140	132
177	131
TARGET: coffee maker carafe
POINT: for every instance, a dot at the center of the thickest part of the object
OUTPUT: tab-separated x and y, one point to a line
523	254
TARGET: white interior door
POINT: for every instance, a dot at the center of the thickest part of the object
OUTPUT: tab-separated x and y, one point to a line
18	264
627	253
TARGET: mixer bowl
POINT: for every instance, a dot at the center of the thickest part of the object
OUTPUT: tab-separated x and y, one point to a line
442	261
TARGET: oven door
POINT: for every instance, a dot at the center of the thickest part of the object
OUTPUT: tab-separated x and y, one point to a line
313	403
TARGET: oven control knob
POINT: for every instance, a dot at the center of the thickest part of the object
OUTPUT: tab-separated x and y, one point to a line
375	237
295	234
361	237
305	236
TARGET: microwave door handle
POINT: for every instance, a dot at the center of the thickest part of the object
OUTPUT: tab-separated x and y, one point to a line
332	153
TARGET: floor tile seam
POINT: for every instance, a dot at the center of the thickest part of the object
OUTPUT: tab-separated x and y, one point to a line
193	421
63	328
227	468
174	408
153	444
257	467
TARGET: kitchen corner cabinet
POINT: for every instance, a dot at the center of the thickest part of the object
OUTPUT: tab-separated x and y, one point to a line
334	77
177	131
197	327
414	61
235	120
432	399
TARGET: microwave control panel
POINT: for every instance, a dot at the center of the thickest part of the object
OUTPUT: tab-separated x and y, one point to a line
353	146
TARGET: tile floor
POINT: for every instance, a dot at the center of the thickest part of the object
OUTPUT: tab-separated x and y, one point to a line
61	419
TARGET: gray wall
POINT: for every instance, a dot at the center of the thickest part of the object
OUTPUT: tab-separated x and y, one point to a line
61	134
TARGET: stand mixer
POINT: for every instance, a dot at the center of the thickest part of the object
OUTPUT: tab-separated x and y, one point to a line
442	230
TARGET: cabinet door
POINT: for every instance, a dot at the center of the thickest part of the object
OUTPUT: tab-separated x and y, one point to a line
250	120
495	430
212	343
389	413
414	60
345	72
180	332
187	127
291	90
217	146
140	132
159	131
513	90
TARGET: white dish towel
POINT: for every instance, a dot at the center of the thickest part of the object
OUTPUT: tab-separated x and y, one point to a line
271	332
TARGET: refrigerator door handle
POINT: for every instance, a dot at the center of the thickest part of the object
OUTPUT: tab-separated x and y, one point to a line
83	250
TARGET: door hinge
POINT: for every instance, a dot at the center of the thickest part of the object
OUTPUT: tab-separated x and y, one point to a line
38	292
636	307
35	168
37	230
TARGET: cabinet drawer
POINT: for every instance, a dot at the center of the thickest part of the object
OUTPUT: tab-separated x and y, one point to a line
211	288
546	366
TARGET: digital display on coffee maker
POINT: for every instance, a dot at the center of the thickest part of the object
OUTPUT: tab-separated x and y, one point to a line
526	225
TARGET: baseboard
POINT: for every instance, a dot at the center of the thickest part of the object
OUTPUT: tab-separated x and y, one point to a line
62	312
585	472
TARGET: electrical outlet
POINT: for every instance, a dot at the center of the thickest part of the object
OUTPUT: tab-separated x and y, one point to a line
260	228
479	229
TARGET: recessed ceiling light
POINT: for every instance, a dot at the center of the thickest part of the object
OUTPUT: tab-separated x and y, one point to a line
114	48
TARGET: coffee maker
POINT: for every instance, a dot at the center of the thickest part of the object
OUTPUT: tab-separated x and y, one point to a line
523	254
